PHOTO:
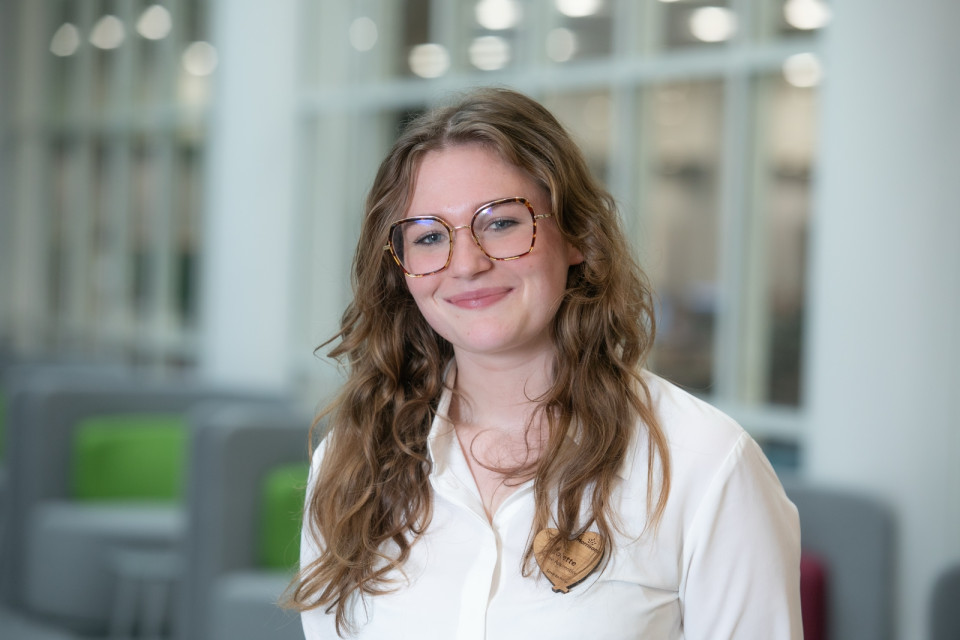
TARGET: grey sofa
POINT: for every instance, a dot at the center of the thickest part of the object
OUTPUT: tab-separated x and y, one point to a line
945	605
59	557
854	536
226	593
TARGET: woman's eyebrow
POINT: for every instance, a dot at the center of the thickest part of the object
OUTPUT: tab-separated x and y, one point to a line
480	205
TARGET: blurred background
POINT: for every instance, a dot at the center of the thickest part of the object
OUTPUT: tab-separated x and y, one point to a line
182	184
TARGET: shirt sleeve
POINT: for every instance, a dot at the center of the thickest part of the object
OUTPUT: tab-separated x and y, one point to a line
741	555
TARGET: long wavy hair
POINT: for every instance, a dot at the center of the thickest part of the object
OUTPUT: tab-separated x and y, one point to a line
371	497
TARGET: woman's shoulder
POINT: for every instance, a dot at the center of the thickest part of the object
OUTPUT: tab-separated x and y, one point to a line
690	423
712	458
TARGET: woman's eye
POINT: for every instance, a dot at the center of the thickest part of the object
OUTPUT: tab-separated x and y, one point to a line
429	238
500	224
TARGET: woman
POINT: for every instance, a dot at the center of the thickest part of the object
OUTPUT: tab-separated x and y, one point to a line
499	464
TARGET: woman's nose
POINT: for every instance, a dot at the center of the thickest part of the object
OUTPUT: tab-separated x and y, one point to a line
468	258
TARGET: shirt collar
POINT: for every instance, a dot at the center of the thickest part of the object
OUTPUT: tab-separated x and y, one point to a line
442	436
443	439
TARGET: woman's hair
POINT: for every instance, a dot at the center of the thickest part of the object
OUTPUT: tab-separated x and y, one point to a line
371	497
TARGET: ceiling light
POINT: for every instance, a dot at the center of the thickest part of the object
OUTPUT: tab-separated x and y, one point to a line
200	59
497	15
155	22
803	70
561	44
489	53
65	41
578	8
108	33
429	60
362	34
713	24
806	14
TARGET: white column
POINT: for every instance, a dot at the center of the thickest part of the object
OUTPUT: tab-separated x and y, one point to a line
884	360
249	228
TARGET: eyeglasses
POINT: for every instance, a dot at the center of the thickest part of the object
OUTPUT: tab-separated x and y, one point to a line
504	229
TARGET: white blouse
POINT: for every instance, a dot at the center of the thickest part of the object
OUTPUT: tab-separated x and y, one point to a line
724	562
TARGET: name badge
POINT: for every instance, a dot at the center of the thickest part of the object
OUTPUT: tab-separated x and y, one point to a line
573	560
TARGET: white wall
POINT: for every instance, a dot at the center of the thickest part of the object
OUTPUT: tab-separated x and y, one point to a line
884	343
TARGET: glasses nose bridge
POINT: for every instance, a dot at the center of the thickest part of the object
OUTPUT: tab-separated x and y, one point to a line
455	228
474	241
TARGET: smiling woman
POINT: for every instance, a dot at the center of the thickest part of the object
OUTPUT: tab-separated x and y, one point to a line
478	304
499	464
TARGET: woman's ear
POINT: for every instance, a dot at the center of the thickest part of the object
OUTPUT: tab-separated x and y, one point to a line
574	256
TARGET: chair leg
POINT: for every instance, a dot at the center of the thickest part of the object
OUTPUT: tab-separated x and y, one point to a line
155	602
124	615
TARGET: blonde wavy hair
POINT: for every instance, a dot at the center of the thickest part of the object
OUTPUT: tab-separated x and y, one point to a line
371	497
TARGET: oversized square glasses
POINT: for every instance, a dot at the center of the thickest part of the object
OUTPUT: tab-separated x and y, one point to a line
505	229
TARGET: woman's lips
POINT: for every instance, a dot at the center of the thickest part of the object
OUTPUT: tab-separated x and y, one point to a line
479	298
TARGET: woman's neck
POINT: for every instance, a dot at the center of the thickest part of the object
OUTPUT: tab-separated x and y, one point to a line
496	422
500	394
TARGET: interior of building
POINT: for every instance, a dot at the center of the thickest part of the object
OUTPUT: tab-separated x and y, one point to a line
181	189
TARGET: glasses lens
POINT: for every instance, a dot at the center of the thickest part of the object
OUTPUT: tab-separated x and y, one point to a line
505	230
422	246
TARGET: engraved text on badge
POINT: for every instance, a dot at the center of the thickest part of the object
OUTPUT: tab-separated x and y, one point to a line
572	562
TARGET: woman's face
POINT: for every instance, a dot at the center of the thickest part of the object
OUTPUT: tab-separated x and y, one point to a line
482	306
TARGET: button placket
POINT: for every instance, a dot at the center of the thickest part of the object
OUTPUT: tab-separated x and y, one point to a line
477	586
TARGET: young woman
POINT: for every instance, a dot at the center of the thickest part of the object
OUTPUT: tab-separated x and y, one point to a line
499	465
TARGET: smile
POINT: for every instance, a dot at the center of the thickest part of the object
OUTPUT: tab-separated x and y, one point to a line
479	298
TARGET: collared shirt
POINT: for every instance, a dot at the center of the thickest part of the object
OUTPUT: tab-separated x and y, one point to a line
723	562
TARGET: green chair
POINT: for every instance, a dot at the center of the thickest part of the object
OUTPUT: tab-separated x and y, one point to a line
138	457
138	461
281	498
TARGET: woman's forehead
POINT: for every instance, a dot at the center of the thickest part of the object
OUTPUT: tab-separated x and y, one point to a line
460	179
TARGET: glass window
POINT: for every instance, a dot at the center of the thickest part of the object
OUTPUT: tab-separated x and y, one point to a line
777	247
679	205
61	153
339	169
188	226
145	168
126	216
128	188
587	116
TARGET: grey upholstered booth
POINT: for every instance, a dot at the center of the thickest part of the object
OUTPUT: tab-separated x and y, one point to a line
945	606
14	372
19	377
854	535
59	557
225	594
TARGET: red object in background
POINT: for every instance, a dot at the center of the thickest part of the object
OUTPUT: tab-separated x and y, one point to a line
813	596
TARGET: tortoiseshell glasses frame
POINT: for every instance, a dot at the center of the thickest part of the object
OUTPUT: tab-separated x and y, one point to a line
423	245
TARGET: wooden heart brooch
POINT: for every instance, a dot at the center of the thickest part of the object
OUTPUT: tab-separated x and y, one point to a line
571	562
